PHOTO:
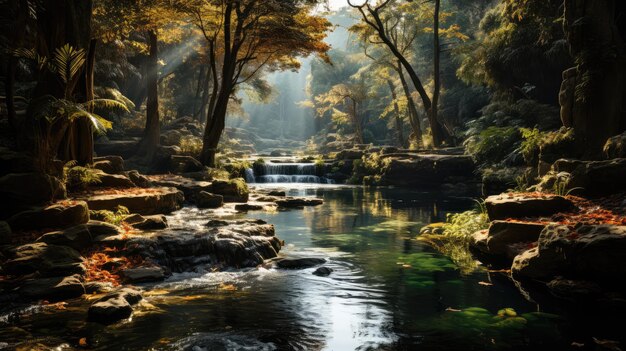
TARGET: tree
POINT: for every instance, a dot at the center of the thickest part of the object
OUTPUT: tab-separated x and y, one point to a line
347	97
244	38
386	20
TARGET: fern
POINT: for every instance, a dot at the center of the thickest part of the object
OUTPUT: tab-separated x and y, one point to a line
68	61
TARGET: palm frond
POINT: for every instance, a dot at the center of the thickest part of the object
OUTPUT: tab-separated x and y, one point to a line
106	104
99	124
68	61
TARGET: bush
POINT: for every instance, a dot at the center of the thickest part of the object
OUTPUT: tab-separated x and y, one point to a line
547	146
191	146
493	145
115	218
78	178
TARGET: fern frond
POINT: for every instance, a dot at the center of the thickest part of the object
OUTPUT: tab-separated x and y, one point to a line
106	104
68	61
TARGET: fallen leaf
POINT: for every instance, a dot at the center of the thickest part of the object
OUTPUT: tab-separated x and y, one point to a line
485	283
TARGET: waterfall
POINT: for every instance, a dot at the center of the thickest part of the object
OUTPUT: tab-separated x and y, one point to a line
249	174
286	173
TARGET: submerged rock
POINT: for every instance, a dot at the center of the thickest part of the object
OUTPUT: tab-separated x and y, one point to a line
323	271
154	222
60	215
143	274
299	263
520	206
296	202
248	207
110	310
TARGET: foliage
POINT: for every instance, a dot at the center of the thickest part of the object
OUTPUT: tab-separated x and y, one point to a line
78	178
115	218
191	146
455	239
369	169
555	144
493	144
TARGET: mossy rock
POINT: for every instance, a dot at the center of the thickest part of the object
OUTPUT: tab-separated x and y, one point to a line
233	190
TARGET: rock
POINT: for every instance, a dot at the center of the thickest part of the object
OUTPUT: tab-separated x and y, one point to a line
233	190
109	164
350	154
109	311
153	222
98	287
520	206
502	234
48	260
143	274
19	191
323	271
15	162
139	179
171	137
615	147
208	200
427	171
594	178
589	252
113	180
296	202
59	215
243	243
574	289
248	207
280	193
124	148
81	236
299	263
185	164
131	296
6	235
190	187
139	200
52	289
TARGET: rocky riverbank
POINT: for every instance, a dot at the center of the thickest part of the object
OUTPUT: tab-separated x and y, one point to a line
100	231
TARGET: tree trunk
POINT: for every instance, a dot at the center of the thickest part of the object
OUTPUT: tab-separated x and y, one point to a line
438	132
398	119
413	115
215	127
597	109
152	132
84	131
200	87
358	127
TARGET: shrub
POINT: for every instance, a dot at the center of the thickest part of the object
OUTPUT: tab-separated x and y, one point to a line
78	178
493	145
115	218
191	146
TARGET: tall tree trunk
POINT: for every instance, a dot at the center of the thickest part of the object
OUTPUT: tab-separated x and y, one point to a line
358	126
200	87
413	115
215	127
438	132
83	139
398	119
152	132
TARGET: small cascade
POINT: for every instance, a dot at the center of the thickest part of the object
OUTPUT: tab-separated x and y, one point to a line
285	173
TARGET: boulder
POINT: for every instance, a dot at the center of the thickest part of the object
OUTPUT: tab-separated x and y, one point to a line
323	271
123	148
171	137
575	290
52	289
81	236
109	164
615	147
143	274
6	236
139	200
208	200
113	180
427	171
299	263
233	190
47	260
280	193
521	206
248	207
502	234
594	178
59	215
243	243
190	187
15	162
139	179
297	202
153	222
350	154
109	311
22	190
589	252
184	164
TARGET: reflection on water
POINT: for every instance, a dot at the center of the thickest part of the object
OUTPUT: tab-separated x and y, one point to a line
387	291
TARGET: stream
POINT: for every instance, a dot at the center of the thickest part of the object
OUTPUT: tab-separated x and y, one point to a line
387	290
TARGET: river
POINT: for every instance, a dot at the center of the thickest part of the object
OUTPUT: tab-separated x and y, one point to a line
387	290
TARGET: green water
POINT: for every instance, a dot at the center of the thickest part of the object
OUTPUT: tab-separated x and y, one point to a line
387	292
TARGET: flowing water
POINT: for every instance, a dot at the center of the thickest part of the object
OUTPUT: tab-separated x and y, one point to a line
387	292
270	172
